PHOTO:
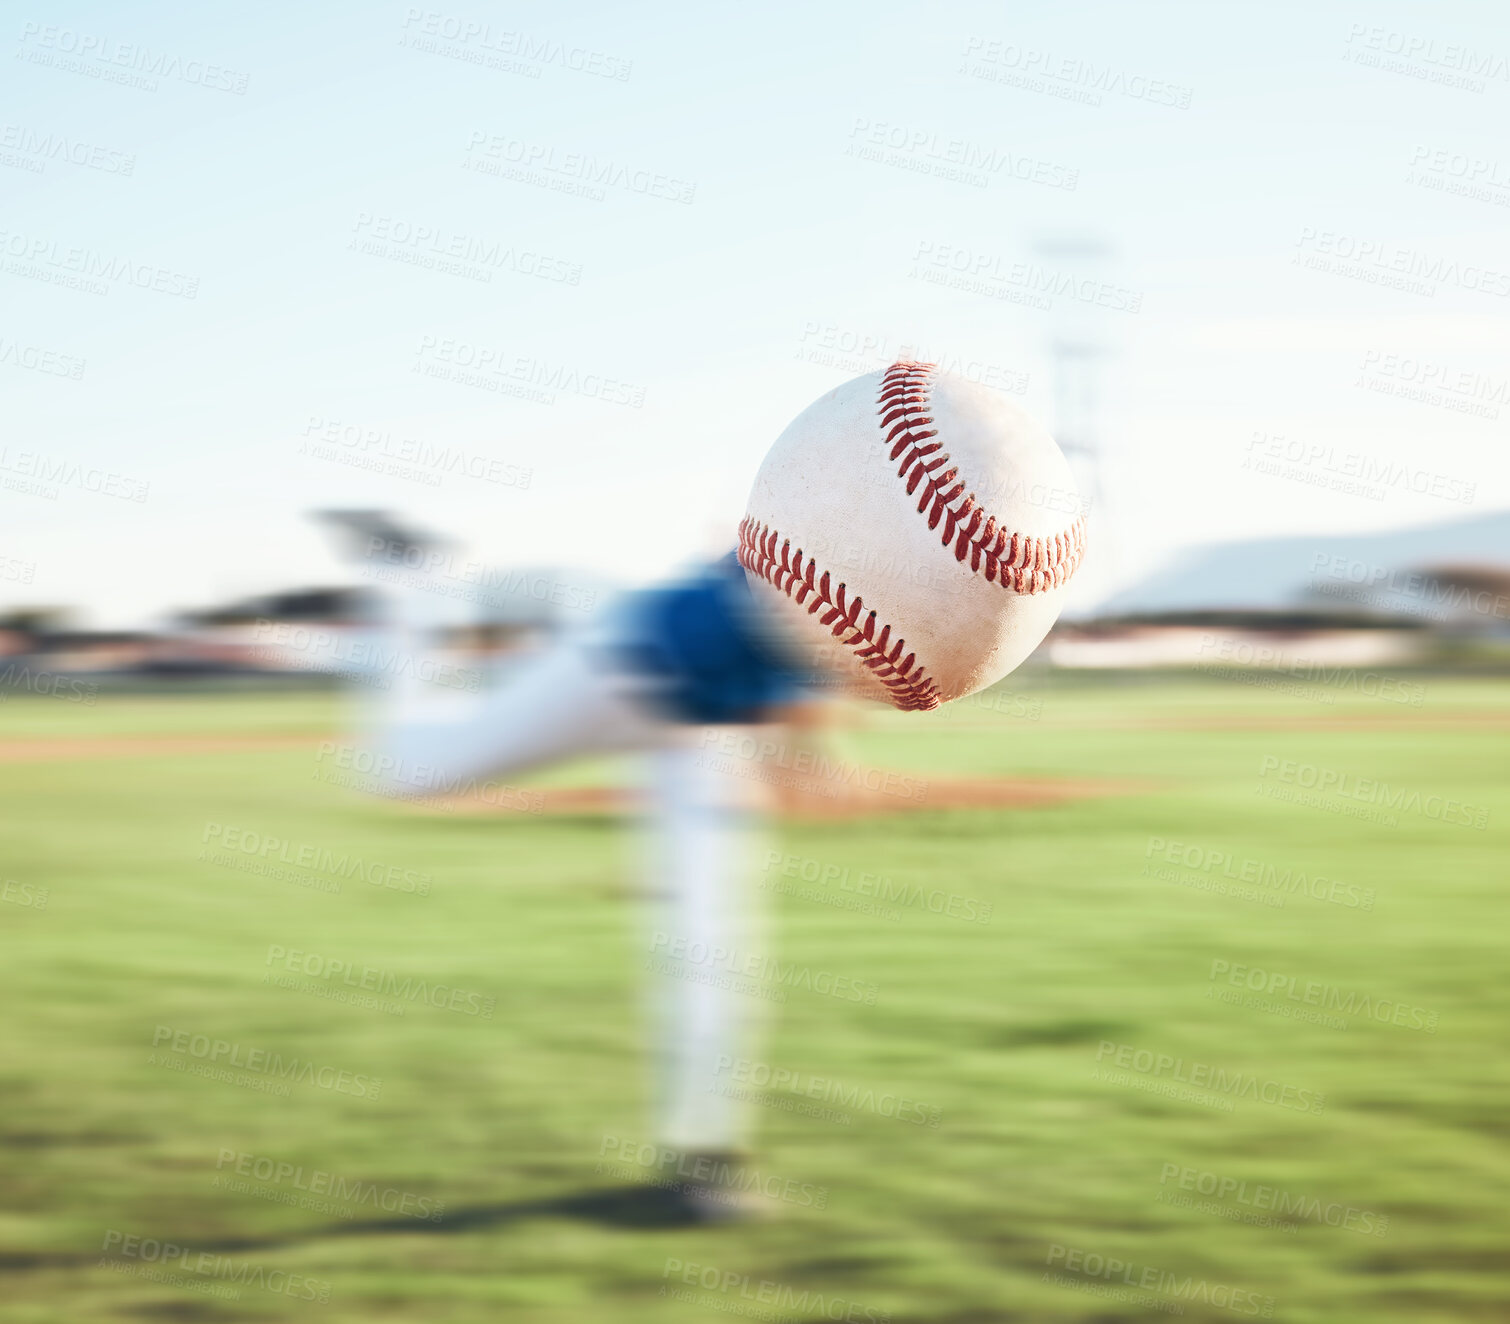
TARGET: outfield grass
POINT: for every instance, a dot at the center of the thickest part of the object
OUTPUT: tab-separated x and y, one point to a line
1043	1148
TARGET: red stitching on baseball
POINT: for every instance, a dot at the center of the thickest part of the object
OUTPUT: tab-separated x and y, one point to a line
911	689
1016	561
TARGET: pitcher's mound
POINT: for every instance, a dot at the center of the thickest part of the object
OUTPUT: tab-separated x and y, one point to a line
949	793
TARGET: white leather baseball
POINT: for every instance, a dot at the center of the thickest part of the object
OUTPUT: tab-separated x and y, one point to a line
913	532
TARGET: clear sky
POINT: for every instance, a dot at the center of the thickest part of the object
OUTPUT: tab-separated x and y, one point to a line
788	194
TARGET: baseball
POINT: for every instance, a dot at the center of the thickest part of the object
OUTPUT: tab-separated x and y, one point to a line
914	533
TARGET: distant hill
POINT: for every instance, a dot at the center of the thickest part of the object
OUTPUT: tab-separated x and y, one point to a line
1369	569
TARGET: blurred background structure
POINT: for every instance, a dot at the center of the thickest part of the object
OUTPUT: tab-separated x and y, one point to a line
1436	597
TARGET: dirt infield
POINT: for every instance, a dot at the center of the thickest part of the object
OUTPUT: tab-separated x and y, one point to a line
1386	717
793	796
56	748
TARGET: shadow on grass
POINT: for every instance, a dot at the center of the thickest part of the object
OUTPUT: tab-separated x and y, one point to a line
632	1208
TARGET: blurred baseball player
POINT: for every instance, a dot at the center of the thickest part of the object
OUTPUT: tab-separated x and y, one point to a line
663	669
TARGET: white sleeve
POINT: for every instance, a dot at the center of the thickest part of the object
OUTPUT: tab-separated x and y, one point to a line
430	729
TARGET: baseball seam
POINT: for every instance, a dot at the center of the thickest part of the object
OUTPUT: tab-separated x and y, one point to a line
899	671
1017	561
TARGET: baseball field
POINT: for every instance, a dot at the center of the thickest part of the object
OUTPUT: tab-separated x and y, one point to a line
1218	1032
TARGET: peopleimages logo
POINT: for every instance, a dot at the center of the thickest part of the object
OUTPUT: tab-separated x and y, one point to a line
1314	993
744	1071
327	1186
882	888
1262	1197
100	55
1309	777
762	1292
89	269
37	358
679	955
1410	47
1032	281
373	979
1380	261
1351	472
223	1054
951	158
724	1176
766	759
221	1270
1148	1278
1278	660
427	244
1246	870
500	370
569	172
48	684
1456	389
1202	1075
59	472
508	48
1040	70
232	841
43	146
1381	583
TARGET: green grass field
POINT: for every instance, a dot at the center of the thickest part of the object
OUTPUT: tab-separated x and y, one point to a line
1050	1159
